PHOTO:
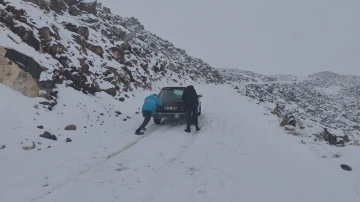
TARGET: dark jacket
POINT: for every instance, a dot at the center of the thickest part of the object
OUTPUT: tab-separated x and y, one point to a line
190	96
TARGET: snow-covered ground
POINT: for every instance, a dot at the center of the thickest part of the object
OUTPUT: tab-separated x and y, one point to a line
241	154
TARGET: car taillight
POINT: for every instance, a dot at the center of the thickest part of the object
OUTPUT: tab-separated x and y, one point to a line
182	107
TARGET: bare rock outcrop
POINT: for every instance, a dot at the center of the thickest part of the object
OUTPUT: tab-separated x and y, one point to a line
15	77
89	7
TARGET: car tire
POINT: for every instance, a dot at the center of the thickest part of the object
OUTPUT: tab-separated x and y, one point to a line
157	121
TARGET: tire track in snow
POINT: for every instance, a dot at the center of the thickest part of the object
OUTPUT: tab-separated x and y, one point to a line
190	141
161	175
169	123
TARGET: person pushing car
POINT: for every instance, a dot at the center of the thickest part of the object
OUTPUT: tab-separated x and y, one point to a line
190	98
151	102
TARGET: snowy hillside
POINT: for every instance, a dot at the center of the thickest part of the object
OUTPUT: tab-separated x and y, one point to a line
326	99
85	46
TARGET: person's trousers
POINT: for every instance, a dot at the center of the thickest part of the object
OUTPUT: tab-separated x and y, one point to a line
147	116
192	115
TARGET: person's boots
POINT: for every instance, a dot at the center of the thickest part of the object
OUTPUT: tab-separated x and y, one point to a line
188	129
138	132
197	127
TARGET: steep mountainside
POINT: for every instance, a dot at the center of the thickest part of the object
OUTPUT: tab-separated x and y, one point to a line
326	98
82	44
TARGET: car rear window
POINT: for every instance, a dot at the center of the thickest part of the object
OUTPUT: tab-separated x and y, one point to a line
171	94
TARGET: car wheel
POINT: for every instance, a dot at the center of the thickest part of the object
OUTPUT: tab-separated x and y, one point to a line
157	121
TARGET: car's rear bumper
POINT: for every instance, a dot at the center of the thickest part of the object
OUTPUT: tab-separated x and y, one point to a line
160	115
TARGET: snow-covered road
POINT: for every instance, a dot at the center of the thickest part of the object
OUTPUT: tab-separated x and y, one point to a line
239	155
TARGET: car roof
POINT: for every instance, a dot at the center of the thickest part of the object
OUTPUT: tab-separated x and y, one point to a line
173	87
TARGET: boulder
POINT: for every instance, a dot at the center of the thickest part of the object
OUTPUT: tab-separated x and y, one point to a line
48	135
71	27
118	54
19	78
2	147
288	120
277	111
95	49
128	36
107	10
71	2
88	6
119	33
68	140
111	91
84	66
45	34
83	31
289	128
59	6
55	49
25	63
345	167
33	146
70	127
74	11
40	127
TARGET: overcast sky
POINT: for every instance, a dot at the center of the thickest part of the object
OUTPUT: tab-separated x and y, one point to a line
297	37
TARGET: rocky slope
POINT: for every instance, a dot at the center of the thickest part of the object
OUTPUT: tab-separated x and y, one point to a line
82	44
325	98
242	76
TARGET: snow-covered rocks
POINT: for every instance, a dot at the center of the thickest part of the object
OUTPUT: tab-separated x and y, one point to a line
333	139
91	50
33	146
326	99
289	128
288	120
